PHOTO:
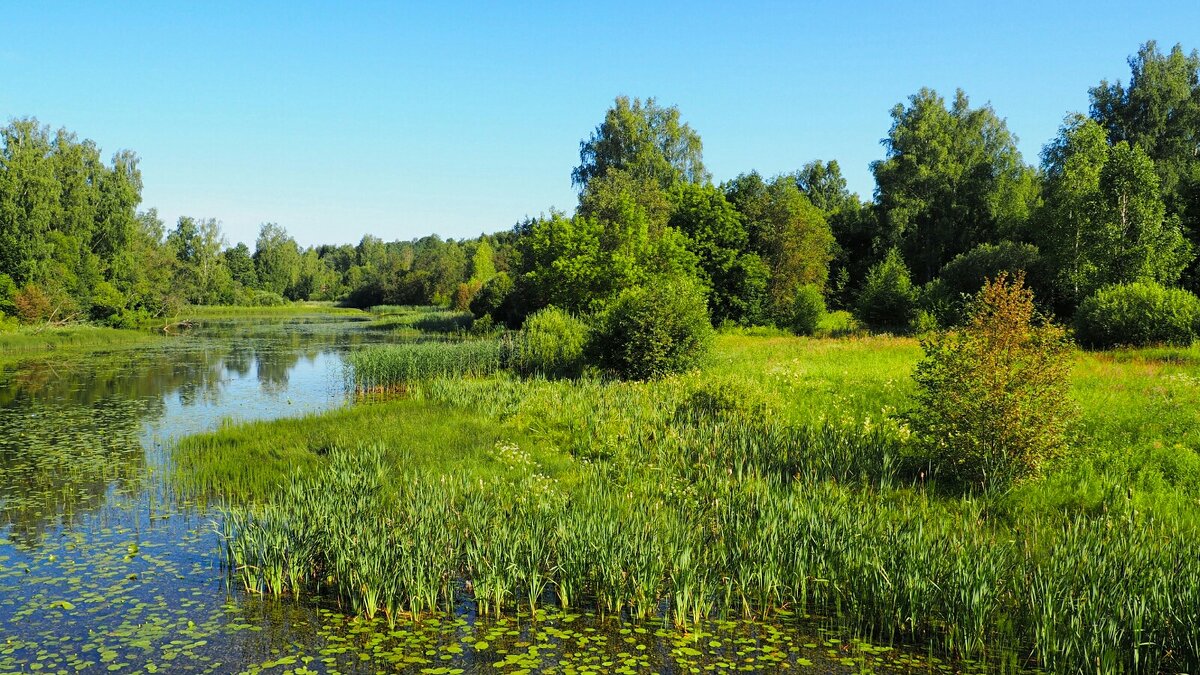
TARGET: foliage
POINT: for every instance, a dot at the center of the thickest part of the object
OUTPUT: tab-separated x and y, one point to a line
947	297
887	300
1104	219
1138	314
645	139
993	399
654	330
953	179
787	232
551	343
808	310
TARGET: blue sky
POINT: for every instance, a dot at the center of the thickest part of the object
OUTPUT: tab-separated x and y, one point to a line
398	119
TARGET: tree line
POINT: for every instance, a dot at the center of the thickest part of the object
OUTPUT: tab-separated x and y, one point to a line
1114	199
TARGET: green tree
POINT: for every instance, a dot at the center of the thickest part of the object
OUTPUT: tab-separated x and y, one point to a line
787	232
953	179
241	265
645	139
200	272
888	299
716	237
276	259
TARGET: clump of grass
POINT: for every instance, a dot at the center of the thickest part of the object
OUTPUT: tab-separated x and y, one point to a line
428	319
393	367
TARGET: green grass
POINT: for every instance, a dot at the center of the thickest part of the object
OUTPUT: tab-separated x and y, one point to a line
28	341
250	461
777	482
201	312
396	367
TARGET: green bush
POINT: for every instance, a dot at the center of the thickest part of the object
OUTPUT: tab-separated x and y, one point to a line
888	298
256	298
550	344
491	298
959	280
107	301
993	398
807	310
653	330
1138	314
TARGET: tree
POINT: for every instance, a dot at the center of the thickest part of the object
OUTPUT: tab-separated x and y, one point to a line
715	235
888	299
953	179
200	272
241	265
276	259
29	196
1143	243
646	140
993	400
853	223
1159	112
787	232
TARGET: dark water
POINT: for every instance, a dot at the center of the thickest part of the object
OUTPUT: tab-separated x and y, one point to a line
104	569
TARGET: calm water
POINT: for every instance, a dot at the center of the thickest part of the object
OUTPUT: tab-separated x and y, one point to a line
104	569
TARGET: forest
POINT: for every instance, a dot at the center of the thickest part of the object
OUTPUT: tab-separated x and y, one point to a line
1108	218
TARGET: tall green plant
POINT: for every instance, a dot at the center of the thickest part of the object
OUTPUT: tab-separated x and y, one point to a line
993	399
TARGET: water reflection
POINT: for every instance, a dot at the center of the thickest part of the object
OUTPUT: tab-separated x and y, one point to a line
76	431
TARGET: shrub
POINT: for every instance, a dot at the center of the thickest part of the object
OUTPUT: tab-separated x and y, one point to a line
993	398
1138	314
107	301
807	310
888	299
490	299
653	330
464	293
8	290
550	344
961	278
32	304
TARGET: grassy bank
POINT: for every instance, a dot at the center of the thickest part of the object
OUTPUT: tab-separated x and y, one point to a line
29	341
200	312
776	482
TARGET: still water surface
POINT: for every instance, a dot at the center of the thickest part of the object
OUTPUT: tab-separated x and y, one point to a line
104	569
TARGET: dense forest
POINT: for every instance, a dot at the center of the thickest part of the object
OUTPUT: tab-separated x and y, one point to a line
1114	203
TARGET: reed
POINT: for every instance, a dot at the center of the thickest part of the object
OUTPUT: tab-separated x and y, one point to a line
388	368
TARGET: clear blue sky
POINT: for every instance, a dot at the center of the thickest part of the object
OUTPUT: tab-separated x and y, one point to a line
401	119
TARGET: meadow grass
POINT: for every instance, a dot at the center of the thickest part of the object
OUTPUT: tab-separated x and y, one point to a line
200	312
777	481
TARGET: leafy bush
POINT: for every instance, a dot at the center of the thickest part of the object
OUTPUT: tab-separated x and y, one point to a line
550	344
1138	314
888	299
107	301
653	330
32	304
807	310
255	298
961	278
8	290
993	399
492	298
